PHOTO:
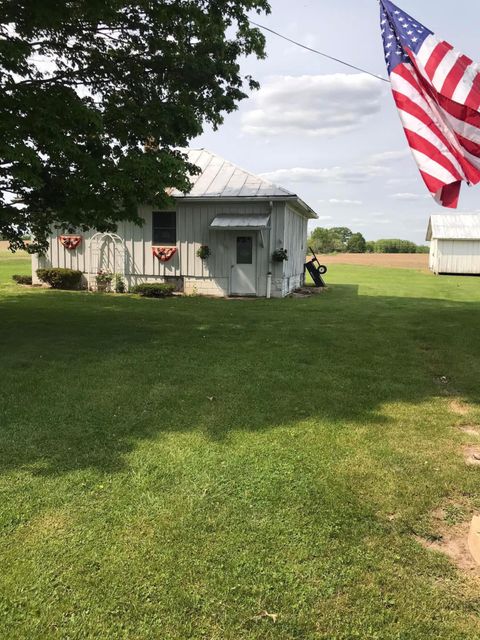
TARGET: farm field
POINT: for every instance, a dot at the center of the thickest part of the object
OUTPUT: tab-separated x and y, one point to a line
240	470
390	260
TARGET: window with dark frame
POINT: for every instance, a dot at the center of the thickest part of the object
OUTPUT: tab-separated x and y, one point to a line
164	228
244	250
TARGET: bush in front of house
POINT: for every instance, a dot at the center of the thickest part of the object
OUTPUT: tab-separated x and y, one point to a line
22	279
61	278
120	286
154	289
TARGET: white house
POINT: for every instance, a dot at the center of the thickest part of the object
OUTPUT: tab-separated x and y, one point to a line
455	243
240	217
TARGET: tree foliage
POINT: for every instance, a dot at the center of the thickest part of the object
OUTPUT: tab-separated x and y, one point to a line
334	240
321	241
422	248
97	96
342	239
342	233
394	245
356	243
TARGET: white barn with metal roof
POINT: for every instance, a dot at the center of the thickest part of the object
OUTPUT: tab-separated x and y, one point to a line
455	244
241	218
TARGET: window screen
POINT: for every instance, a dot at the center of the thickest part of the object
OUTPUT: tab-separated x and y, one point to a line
164	227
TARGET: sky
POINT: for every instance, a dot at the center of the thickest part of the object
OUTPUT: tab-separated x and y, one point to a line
333	135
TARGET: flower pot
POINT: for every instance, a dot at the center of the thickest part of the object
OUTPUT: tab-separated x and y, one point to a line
204	252
103	287
279	255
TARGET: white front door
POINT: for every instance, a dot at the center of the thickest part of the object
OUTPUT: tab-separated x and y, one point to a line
244	268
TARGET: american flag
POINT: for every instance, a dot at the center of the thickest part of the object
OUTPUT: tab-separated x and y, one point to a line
437	92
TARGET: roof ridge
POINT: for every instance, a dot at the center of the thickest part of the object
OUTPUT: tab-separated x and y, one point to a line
249	173
222	178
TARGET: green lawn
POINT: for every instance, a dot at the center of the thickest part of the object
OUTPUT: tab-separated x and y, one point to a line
170	469
11	263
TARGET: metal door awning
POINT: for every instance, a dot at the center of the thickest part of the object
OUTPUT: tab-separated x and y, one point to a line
229	222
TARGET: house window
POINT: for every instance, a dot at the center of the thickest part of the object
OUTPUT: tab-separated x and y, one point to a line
244	250
164	227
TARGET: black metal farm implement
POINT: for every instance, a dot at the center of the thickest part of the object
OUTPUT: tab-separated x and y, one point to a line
316	270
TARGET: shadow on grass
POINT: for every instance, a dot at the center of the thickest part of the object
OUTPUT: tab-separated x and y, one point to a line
85	378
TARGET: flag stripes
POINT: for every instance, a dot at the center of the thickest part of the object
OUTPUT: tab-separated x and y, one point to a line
454	76
434	62
437	92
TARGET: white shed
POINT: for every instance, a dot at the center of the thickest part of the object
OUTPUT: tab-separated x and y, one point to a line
455	243
240	217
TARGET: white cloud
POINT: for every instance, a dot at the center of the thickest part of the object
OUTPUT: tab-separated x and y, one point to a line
397	181
325	218
378	217
321	105
339	175
409	197
345	202
375	166
390	156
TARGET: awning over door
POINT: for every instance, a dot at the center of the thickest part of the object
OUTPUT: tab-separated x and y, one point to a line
231	222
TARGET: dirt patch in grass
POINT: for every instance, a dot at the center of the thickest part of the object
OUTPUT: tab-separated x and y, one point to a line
459	407
392	260
472	455
454	544
48	525
470	429
451	525
306	292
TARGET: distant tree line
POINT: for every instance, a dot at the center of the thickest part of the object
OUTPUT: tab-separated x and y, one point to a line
344	240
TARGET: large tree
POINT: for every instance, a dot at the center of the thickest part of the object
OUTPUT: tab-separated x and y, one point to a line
356	243
342	233
96	97
332	240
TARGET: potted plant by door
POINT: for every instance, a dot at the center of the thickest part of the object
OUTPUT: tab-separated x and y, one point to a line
104	280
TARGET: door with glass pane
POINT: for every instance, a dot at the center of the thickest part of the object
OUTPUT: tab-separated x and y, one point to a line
244	268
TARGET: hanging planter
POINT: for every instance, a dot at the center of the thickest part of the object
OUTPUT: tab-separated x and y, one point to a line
164	254
280	255
70	242
204	252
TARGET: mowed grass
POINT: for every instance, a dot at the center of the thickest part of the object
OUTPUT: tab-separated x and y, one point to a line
13	263
177	469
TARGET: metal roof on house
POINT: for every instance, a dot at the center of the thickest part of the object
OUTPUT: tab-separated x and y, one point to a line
240	222
454	227
219	178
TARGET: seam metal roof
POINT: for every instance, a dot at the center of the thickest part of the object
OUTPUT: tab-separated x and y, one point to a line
227	221
222	179
454	227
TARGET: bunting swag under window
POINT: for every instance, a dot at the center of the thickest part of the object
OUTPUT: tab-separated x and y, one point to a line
437	92
164	254
70	242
